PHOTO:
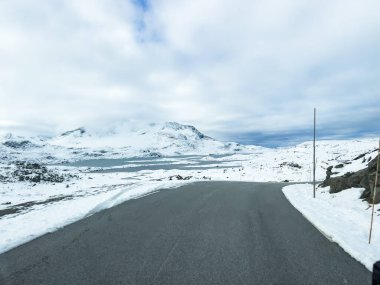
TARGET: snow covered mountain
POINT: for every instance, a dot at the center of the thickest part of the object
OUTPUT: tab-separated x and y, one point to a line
123	139
134	139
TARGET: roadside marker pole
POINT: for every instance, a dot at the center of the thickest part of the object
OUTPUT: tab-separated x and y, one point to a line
374	193
315	112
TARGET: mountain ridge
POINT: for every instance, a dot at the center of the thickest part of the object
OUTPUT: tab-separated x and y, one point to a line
119	139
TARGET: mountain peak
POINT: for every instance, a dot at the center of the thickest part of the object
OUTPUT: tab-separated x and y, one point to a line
177	127
77	132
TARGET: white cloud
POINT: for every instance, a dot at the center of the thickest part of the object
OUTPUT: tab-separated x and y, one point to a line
237	66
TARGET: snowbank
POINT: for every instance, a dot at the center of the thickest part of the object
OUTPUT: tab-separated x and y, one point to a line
341	217
22	227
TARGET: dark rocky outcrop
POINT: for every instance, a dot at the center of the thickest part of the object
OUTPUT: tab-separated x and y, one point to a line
179	177
291	164
34	173
23	144
79	132
329	173
364	178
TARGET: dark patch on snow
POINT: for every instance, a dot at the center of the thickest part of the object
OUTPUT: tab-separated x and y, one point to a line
24	206
23	144
179	177
291	164
79	131
35	173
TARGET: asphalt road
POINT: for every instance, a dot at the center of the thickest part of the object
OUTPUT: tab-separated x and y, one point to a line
202	233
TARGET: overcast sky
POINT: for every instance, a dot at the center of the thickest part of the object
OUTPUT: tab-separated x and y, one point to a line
242	70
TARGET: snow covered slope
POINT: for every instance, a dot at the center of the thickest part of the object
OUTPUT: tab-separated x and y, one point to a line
119	140
170	136
294	163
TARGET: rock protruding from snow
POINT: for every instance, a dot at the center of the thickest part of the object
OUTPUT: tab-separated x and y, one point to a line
75	133
21	143
364	178
22	171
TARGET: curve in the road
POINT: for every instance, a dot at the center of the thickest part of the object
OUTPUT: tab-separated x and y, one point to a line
201	233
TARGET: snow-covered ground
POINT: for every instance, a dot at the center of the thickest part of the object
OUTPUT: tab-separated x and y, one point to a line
341	217
80	172
53	206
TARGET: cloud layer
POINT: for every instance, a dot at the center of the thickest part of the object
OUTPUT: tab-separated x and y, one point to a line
232	68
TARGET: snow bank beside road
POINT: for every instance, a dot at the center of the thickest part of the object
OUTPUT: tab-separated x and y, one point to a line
20	228
342	217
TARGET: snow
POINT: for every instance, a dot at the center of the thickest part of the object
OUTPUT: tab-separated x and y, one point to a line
104	192
342	217
118	141
165	138
126	161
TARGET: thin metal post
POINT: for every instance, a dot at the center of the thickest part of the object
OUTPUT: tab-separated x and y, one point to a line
374	193
315	112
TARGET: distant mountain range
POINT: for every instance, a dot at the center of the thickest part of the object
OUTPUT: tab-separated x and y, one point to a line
131	139
123	139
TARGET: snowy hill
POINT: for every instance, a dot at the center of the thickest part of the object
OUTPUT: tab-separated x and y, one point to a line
131	139
157	136
294	163
119	140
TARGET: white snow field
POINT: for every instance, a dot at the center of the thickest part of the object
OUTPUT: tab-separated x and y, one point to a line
342	217
84	171
37	220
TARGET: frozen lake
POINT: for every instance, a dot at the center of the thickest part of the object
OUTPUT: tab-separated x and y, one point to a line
183	162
